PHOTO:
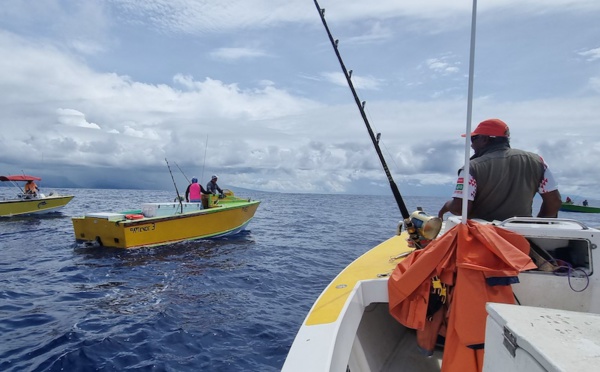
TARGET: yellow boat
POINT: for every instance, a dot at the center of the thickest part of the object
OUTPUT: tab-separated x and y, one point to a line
164	223
30	203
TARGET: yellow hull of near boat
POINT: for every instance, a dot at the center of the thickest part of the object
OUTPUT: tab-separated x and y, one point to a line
16	207
116	231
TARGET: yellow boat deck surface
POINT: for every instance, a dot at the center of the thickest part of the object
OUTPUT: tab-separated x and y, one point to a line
377	263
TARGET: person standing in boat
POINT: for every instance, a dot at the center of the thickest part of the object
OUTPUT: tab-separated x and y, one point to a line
503	181
194	192
31	188
212	186
585	203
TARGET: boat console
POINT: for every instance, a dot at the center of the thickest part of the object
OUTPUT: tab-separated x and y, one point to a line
563	250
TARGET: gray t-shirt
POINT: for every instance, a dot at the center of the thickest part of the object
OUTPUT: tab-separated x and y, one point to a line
212	187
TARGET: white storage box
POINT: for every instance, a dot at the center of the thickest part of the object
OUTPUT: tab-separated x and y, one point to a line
107	216
532	339
168	209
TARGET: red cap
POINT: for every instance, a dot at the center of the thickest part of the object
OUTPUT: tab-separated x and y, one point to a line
491	127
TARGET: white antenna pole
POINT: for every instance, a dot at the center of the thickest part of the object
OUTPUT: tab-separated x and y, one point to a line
465	201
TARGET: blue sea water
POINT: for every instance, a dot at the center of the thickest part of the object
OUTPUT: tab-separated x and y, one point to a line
231	304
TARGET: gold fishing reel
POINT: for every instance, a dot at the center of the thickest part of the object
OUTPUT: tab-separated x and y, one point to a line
427	226
421	227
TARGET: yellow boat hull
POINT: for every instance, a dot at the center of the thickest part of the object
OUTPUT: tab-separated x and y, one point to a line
226	218
17	207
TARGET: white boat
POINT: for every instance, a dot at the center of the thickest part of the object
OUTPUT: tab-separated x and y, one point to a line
30	203
350	327
366	321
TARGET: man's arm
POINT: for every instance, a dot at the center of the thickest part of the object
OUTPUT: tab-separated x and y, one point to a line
454	206
551	202
187	193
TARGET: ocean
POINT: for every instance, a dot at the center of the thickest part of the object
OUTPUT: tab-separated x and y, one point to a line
230	304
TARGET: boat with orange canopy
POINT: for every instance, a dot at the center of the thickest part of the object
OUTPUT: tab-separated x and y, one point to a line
28	202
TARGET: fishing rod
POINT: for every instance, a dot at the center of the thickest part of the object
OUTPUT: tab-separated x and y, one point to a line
204	161
174	184
361	107
183	173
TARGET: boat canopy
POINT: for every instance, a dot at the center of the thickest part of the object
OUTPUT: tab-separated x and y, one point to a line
19	177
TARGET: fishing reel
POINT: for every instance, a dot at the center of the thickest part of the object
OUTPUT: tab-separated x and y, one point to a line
421	227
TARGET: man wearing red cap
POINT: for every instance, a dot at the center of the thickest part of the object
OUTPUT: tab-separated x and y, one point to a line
503	181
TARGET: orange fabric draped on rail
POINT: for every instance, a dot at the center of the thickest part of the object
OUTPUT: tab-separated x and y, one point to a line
464	258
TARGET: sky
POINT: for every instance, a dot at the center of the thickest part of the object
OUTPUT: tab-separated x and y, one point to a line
102	93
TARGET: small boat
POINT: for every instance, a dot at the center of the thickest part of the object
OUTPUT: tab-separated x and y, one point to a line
571	207
165	223
30	203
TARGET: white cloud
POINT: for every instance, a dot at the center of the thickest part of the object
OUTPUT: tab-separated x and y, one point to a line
591	55
88	47
207	16
141	133
442	66
74	118
143	84
232	54
359	82
377	33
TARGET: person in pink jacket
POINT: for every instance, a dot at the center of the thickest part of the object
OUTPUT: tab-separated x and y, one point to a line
194	192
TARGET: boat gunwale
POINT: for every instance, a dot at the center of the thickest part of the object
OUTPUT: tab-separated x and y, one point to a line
52	197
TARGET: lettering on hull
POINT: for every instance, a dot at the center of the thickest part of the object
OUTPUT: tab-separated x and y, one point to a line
141	229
